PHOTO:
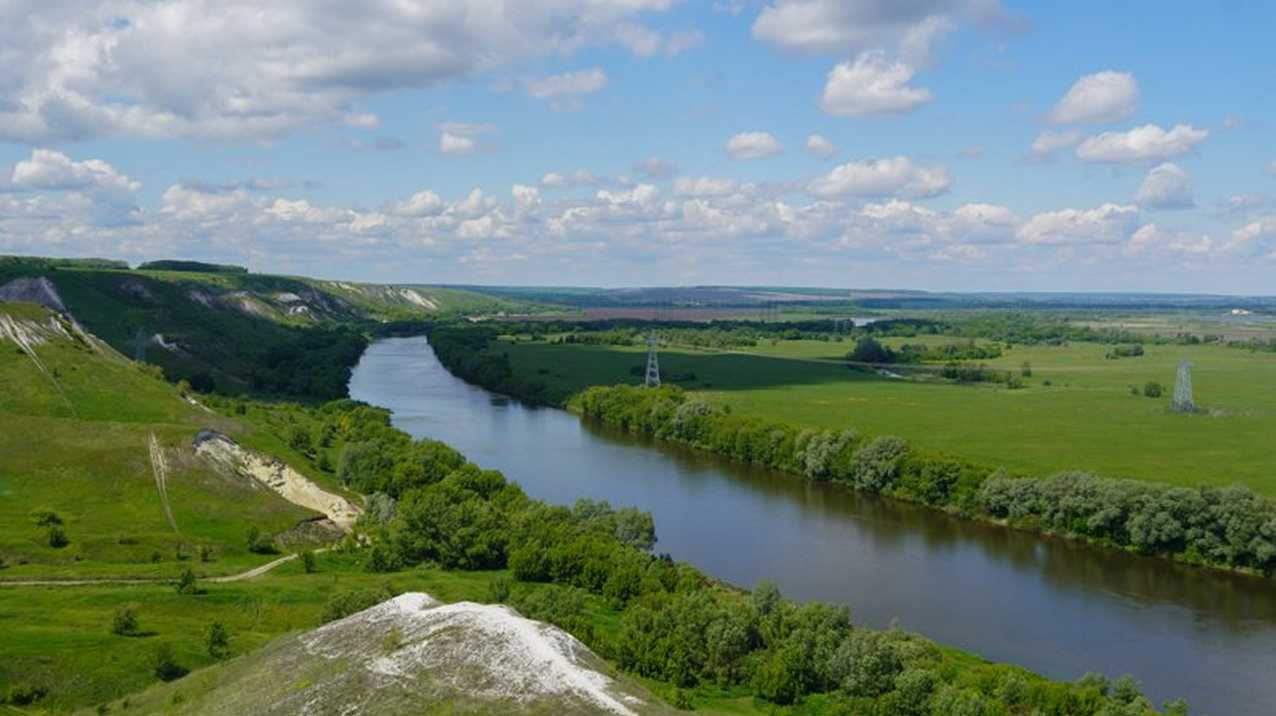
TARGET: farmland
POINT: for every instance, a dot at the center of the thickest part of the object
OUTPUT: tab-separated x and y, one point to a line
1076	409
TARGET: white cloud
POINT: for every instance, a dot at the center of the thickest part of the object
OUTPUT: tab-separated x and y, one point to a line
705	186
1106	224
680	42
580	177
1271	168
839	26
892	176
1148	143
461	138
1100	98
872	84
243	69
753	145
1239	204
820	146
1167	186
563	91
656	168
1255	239
52	170
1049	142
422	203
1151	239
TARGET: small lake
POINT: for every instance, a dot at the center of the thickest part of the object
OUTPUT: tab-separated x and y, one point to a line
1056	607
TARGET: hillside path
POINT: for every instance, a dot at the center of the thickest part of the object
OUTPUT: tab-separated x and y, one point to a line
254	572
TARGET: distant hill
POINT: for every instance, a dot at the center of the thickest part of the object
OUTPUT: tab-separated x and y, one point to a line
412	655
196	266
231	331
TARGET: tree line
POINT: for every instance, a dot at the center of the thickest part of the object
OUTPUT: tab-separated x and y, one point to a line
1230	527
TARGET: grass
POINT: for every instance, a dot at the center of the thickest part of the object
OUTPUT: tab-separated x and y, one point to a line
1076	411
75	443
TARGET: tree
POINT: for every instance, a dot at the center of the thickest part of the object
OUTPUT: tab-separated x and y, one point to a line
299	439
1025	370
57	537
1152	389
308	562
186	583
869	350
217	640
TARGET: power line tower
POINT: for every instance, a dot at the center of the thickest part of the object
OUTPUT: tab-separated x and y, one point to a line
1183	402
653	363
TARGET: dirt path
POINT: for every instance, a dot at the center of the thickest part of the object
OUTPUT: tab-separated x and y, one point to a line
254	572
159	467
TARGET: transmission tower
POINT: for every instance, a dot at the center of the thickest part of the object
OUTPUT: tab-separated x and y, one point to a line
1183	402
653	363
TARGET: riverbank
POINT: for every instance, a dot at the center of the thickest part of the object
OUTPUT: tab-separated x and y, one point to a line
1227	528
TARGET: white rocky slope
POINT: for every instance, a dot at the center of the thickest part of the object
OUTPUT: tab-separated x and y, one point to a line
414	655
276	475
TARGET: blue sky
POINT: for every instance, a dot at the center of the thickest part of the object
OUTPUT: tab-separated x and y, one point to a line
645	142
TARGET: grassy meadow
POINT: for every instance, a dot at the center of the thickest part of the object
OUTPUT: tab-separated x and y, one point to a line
1075	411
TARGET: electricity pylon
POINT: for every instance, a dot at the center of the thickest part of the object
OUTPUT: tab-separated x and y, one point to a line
1183	402
653	363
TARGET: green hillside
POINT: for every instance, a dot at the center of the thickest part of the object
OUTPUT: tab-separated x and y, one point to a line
231	332
76	424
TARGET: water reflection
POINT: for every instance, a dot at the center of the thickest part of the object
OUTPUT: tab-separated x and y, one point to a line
1055	606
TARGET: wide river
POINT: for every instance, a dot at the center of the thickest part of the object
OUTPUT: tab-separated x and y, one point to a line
1058	608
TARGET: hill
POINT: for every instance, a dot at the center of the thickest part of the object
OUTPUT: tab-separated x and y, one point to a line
231	332
100	475
411	655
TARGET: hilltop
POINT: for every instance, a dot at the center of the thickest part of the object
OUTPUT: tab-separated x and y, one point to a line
412	655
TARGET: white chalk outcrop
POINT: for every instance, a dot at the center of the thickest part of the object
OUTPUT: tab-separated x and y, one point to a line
278	476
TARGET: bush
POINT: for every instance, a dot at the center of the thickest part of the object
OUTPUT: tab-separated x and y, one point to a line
165	663
217	640
186	583
46	518
57	537
308	562
1152	389
261	542
498	590
25	694
124	623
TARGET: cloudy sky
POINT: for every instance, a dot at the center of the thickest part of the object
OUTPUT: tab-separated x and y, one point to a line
936	144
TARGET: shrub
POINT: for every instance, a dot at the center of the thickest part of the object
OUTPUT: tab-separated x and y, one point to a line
308	563
1152	389
217	640
26	694
165	663
498	590
261	542
57	537
186	583
205	553
46	518
124	623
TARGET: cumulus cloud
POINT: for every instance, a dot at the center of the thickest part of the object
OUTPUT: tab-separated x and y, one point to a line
1255	239
362	120
892	176
1239	204
753	145
1100	98
820	146
1148	143
1106	224
563	91
1050	142
1151	239
52	170
1167	186
580	177
872	84
241	69
838	26
461	138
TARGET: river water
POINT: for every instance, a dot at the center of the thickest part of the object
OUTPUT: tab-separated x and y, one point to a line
1058	608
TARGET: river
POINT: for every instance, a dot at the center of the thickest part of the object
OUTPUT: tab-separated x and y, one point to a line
1055	607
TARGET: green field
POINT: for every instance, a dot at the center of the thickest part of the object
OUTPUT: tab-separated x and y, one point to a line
1076	411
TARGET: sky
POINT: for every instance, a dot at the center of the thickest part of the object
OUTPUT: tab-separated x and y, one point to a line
965	145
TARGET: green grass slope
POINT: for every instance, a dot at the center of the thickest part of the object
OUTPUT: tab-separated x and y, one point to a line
76	421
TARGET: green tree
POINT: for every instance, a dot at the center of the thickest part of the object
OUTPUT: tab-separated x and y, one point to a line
124	622
1152	389
869	350
57	537
186	583
308	563
165	663
217	640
